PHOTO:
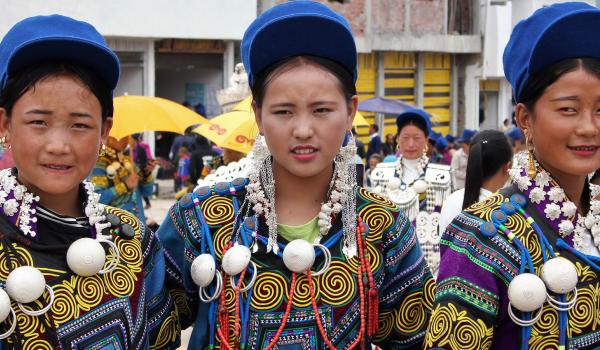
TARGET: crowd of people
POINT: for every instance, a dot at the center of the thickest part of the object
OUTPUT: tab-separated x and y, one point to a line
490	240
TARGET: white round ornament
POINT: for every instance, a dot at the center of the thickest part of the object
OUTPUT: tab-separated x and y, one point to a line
86	257
25	284
4	305
5	310
203	270
236	259
559	275
110	170
527	292
420	186
394	184
299	256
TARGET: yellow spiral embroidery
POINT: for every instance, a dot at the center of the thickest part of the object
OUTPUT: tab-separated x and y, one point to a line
269	291
377	219
410	317
429	294
585	272
545	331
65	306
585	312
302	292
88	291
27	325
131	253
180	301
168	331
484	208
221	238
126	218
376	199
119	282
37	344
456	330
5	259
217	210
337	284
386	324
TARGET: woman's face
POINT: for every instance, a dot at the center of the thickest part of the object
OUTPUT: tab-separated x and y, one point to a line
304	118
411	142
55	132
564	125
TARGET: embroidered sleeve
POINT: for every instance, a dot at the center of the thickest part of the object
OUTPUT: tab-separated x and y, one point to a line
163	323
466	302
406	295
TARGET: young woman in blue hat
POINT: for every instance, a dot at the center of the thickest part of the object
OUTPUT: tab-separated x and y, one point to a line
414	183
75	274
297	255
520	269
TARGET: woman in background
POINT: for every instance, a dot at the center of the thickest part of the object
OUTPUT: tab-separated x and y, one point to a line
487	172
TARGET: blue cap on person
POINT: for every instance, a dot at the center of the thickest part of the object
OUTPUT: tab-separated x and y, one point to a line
466	136
515	134
550	35
415	114
450	138
434	135
56	38
298	28
441	144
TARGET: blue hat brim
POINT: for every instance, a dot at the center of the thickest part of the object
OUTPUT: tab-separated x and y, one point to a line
97	58
572	36
302	34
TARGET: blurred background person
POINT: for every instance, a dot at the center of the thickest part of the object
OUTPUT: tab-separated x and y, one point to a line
119	182
459	160
389	147
489	159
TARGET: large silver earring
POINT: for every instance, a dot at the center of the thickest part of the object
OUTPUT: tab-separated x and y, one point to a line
345	169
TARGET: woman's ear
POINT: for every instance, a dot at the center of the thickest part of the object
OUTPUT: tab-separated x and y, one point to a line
4	126
352	109
523	117
258	117
105	131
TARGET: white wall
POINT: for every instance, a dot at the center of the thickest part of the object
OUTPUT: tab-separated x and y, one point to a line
190	19
497	33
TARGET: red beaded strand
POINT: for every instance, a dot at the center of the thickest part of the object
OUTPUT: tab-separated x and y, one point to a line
237	305
288	309
223	312
373	301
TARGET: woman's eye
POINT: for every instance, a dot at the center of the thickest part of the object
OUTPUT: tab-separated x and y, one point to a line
322	110
282	112
567	109
37	122
81	126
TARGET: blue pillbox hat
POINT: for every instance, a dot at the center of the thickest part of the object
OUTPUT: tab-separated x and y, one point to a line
441	144
54	38
551	34
298	28
414	114
466	136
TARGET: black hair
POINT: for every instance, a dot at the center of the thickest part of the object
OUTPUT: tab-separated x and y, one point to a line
27	78
489	151
375	127
263	78
415	121
538	82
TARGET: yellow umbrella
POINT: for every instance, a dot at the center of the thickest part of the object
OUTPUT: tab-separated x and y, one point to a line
235	130
134	114
246	106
